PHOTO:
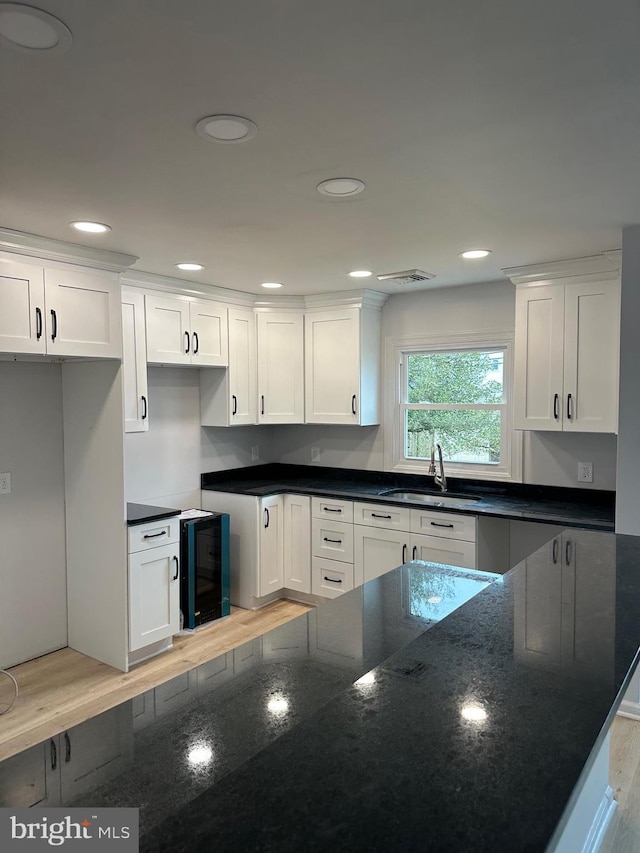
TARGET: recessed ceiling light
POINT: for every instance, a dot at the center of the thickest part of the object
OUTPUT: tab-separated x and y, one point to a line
25	28
340	187
475	253
225	128
91	227
273	284
360	273
190	267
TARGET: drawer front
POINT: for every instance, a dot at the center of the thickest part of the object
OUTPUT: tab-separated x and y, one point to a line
451	552
332	539
330	578
378	515
447	524
329	508
153	533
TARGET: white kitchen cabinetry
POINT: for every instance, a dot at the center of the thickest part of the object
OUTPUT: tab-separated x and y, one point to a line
332	571
134	363
297	543
228	398
280	368
342	357
70	764
271	545
154	587
186	331
61	311
566	356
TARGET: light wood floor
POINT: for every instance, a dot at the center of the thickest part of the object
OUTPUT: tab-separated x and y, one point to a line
65	688
623	835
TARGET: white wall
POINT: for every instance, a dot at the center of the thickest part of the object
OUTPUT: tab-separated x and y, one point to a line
163	465
549	459
32	519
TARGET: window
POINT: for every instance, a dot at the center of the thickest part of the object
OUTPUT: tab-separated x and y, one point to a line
455	393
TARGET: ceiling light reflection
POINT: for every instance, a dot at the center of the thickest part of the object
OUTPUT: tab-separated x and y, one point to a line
199	755
278	705
474	713
367	679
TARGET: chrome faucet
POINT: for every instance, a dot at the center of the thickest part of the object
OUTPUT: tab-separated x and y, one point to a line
439	478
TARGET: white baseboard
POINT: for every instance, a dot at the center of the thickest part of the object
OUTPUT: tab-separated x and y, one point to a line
601	822
629	709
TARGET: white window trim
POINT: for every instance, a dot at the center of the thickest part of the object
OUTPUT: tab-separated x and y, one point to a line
394	459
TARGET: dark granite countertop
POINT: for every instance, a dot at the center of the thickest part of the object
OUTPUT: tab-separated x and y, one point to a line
367	725
586	508
140	513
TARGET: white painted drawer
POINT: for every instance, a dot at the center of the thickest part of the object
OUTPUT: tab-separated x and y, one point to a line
329	508
379	515
330	578
332	539
446	524
153	533
437	549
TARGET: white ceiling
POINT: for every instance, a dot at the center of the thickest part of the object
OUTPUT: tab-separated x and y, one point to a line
507	124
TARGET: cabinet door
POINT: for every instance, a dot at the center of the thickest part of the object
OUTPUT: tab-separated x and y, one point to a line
451	552
96	751
271	563
32	778
168	332
134	363
22	315
297	542
209	335
84	313
332	367
378	551
242	366
591	349
538	608
280	369
154	600
539	357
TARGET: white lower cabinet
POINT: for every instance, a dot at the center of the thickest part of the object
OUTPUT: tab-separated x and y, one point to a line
297	542
69	764
330	578
154	585
271	571
436	549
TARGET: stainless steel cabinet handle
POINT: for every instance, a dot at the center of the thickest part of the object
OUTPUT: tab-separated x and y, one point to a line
438	524
556	406
332	580
175	577
154	535
334	541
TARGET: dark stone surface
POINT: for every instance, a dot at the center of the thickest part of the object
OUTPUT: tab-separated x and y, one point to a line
545	651
585	508
140	513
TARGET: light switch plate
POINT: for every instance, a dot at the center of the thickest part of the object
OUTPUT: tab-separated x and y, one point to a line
585	472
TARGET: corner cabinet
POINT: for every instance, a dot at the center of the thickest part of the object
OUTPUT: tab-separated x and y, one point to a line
342	358
566	354
280	368
63	311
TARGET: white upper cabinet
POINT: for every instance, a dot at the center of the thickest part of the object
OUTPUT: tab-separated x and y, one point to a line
134	363
280	368
342	357
228	397
184	331
566	356
59	311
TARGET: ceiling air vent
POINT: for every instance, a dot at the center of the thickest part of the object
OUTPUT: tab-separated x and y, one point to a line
406	276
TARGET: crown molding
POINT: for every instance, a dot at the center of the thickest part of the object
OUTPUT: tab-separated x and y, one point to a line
47	249
606	263
347	299
169	284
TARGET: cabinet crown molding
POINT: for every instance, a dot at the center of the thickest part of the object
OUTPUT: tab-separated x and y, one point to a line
186	288
347	299
47	249
606	264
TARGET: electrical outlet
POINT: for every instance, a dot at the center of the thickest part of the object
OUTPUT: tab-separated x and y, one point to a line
585	472
315	454
5	484
255	452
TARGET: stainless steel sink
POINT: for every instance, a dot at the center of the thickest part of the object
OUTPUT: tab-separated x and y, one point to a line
430	498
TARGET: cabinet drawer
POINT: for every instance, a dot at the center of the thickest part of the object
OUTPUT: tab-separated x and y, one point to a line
329	508
445	524
437	549
330	578
153	533
378	515
332	539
